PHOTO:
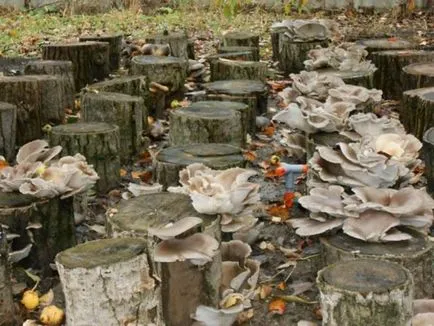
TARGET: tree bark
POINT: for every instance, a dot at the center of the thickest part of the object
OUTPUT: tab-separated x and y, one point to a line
170	161
417	110
130	85
417	75
126	111
240	56
365	293
414	254
91	60
242	38
7	307
115	45
390	64
275	45
51	223
178	43
98	142
183	285
109	282
209	122
232	70
190	50
252	50
39	100
8	130
428	154
358	78
386	44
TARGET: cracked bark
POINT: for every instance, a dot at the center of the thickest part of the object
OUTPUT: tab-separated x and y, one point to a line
8	129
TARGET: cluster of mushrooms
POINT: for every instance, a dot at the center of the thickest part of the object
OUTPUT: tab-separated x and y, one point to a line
302	30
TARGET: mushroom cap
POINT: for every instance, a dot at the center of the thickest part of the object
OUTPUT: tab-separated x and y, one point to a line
175	229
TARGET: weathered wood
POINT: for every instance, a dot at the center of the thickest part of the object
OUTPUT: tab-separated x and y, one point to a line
252	50
240	56
417	110
178	43
127	112
12	66
98	142
414	254
232	70
190	50
242	38
63	69
385	44
7	307
183	285
275	45
39	101
209	122
365	293
50	222
390	64
417	75
8	130
170	161
358	78
428	154
292	54
115	47
241	88
109	282
130	85
91	60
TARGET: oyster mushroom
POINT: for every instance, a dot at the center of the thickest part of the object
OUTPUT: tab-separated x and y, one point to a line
174	229
37	150
302	30
313	85
358	95
208	316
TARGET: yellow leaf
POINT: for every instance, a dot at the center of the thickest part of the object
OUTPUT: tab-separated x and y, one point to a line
123	172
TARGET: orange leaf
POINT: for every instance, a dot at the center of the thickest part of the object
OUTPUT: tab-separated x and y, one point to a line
123	172
144	157
272	174
249	156
392	39
277	306
288	199
269	131
144	176
281	286
279	211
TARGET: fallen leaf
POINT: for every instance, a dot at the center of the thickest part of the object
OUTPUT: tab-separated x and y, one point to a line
245	316
297	299
300	287
249	156
290	252
144	158
123	172
47	298
265	291
277	306
278	211
287	264
269	131
288	199
281	286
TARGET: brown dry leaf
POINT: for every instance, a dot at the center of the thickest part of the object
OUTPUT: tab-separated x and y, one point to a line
269	131
281	286
245	316
47	298
265	291
123	172
144	158
290	252
318	313
279	211
144	176
249	156
277	306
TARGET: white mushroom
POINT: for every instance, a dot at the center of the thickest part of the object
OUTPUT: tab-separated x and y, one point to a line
174	229
358	95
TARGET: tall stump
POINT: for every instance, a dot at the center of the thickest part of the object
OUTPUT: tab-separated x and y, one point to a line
39	100
170	161
385	44
91	60
239	56
8	130
428	155
358	78
183	286
390	64
417	75
109	282
414	254
209	122
127	112
242	38
98	142
7	306
365	293
115	47
46	224
232	70
252	50
417	110
178	43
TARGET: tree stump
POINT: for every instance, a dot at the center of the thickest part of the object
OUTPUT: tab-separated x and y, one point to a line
8	130
252	50
91	60
242	38
417	75
39	100
183	285
428	154
170	161
292	54
275	45
414	254
109	282
98	142
13	66
358	78
385	44
115	47
7	307
63	69
240	56
365	293
190	50
130	85
390	65
209	122
232	70
126	111
417	110
178	43
241	88
50	222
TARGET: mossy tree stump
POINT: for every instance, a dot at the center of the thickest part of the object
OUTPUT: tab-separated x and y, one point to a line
414	254
7	306
365	293
385	44
183	285
231	69
50	222
115	47
242	38
390	64
91	60
109	282
39	100
252	50
62	69
428	154
8	130
241	88
98	142
417	110
417	75
178	43
239	56
170	161
209	122
358	78
127	112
